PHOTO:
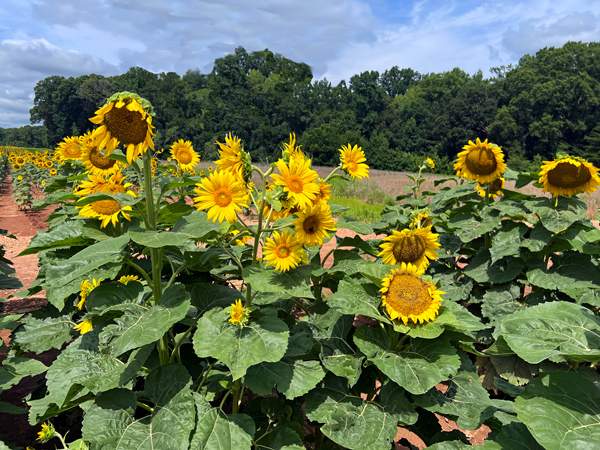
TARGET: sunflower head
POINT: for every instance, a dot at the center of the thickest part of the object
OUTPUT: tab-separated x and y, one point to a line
313	224
70	148
84	326
420	219
495	187
410	246
298	181
324	192
406	296
222	194
183	152
47	432
234	159
353	159
480	161
127	278
96	163
238	315
569	175
284	251
292	151
125	119
431	163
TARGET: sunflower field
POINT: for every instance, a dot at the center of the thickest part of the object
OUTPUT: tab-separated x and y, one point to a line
197	311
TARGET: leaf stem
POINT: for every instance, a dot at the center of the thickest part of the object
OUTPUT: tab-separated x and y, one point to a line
178	344
205	377
146	407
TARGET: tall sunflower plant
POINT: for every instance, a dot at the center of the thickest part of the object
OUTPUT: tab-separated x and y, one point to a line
222	310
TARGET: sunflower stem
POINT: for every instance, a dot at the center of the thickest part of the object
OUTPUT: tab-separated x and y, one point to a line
488	235
236	393
205	377
332	173
146	407
176	349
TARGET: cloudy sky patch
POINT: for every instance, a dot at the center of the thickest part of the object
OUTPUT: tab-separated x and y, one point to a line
337	38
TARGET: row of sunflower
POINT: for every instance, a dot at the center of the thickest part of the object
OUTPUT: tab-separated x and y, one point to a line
210	318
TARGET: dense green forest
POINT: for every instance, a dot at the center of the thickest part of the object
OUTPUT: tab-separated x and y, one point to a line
546	103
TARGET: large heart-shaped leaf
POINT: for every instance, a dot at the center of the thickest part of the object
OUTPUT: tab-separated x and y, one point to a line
357	297
295	282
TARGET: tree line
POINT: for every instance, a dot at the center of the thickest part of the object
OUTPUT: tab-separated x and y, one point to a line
544	104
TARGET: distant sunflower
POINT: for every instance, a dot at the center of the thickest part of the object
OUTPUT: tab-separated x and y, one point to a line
231	156
298	180
353	159
53	172
222	194
127	119
497	184
569	175
408	297
284	251
313	223
47	433
96	163
482	162
240	241
16	167
20	160
324	192
416	246
69	148
127	278
20	178
184	153
238	315
421	220
431	163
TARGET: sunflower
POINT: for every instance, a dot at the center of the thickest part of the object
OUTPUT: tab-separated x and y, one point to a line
102	183
231	156
416	246
421	220
482	162
108	210
84	326
298	180
126	118
222	194
352	161
238	315
20	178
498	183
53	172
324	192
96	163
47	432
569	175
127	278
284	251
69	148
16	167
241	241
431	163
86	288
408	297
292	151
312	224
185	155
20	160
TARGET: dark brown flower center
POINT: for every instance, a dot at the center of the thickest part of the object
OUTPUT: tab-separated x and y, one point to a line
408	295
567	176
481	161
127	126
409	249
100	161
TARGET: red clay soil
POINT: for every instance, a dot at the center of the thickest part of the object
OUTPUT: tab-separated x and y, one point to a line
24	224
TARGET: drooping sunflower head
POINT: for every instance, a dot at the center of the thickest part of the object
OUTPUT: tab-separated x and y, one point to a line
70	148
86	288
298	180
238	315
233	158
96	163
410	246
420	219
569	175
431	163
313	223
47	432
480	161
406	296
184	153
222	194
126	119
353	159
127	278
495	187
284	251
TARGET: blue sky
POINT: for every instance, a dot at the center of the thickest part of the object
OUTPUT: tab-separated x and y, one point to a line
337	38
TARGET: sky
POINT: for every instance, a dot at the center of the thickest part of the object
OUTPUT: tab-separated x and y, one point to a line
337	38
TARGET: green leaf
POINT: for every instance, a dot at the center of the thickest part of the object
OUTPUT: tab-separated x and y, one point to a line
555	219
262	340
67	234
88	259
551	330
516	436
295	282
355	423
482	270
111	422
79	444
140	324
215	430
464	399
562	411
370	247
500	301
157	239
468	228
172	212
292	377
207	296
507	240
113	294
422	367
37	335
7	282
354	225
538	238
14	369
568	271
9	408
357	297
196	226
